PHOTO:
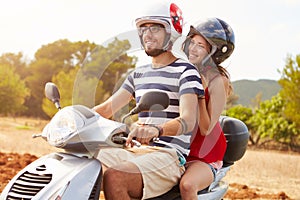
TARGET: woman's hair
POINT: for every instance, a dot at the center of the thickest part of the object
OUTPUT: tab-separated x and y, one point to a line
223	71
226	74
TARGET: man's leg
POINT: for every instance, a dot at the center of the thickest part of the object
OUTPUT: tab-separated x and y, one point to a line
123	182
145	176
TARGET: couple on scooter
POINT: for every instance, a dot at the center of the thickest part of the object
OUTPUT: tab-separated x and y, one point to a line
197	89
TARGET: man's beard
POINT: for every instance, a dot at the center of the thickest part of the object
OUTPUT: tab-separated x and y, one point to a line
154	52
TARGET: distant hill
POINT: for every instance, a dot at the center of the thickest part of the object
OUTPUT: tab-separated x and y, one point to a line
248	89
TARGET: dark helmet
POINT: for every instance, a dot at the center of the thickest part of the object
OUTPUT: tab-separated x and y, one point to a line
218	34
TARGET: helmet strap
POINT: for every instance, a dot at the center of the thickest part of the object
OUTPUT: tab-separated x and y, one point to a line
167	43
207	60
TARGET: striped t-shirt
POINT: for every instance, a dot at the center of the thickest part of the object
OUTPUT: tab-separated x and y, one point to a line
179	77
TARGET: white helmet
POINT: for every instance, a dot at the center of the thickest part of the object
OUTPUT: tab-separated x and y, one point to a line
170	16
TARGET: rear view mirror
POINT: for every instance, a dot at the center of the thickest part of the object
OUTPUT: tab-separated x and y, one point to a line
52	93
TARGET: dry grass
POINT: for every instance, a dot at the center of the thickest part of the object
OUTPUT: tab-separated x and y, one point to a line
269	171
16	136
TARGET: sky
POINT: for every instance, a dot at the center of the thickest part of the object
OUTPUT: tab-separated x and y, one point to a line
266	31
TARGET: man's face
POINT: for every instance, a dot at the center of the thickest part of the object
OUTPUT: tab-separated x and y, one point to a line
153	36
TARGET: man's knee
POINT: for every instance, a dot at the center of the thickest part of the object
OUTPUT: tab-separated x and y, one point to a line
120	182
112	176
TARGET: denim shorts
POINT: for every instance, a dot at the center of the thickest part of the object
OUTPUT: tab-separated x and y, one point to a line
214	171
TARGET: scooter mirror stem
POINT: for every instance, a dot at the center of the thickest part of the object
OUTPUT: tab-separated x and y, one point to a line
57	105
150	101
125	117
36	135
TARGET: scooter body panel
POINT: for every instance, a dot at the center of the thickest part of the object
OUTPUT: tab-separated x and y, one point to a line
216	193
55	175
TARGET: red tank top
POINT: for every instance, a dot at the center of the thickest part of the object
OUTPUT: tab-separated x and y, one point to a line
209	148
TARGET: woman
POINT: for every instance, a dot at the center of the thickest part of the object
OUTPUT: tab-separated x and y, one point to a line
209	43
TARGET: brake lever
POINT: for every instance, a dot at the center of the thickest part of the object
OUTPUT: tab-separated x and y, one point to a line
123	139
136	143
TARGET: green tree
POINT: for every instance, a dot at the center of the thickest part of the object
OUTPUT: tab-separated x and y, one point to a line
240	112
65	54
93	81
271	125
65	83
17	61
231	100
255	102
13	91
290	83
244	114
42	71
51	59
108	64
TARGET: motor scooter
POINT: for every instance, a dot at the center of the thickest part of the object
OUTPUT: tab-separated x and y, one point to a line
81	133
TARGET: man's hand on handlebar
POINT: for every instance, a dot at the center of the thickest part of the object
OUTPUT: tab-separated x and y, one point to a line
142	133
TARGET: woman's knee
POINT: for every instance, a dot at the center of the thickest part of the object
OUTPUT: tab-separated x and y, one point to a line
186	186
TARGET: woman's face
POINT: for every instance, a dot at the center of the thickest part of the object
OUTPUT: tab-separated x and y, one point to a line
198	49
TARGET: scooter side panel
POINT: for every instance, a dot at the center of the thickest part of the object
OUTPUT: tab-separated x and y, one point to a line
52	175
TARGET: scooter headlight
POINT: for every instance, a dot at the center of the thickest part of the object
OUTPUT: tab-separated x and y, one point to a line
62	126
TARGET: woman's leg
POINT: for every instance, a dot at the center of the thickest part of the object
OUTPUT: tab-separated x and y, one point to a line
197	176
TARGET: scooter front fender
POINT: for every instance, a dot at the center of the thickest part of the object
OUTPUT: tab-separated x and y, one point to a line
56	175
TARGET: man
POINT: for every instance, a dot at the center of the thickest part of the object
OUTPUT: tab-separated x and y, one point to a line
131	174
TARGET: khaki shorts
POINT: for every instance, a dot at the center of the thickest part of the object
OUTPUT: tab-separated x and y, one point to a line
159	166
